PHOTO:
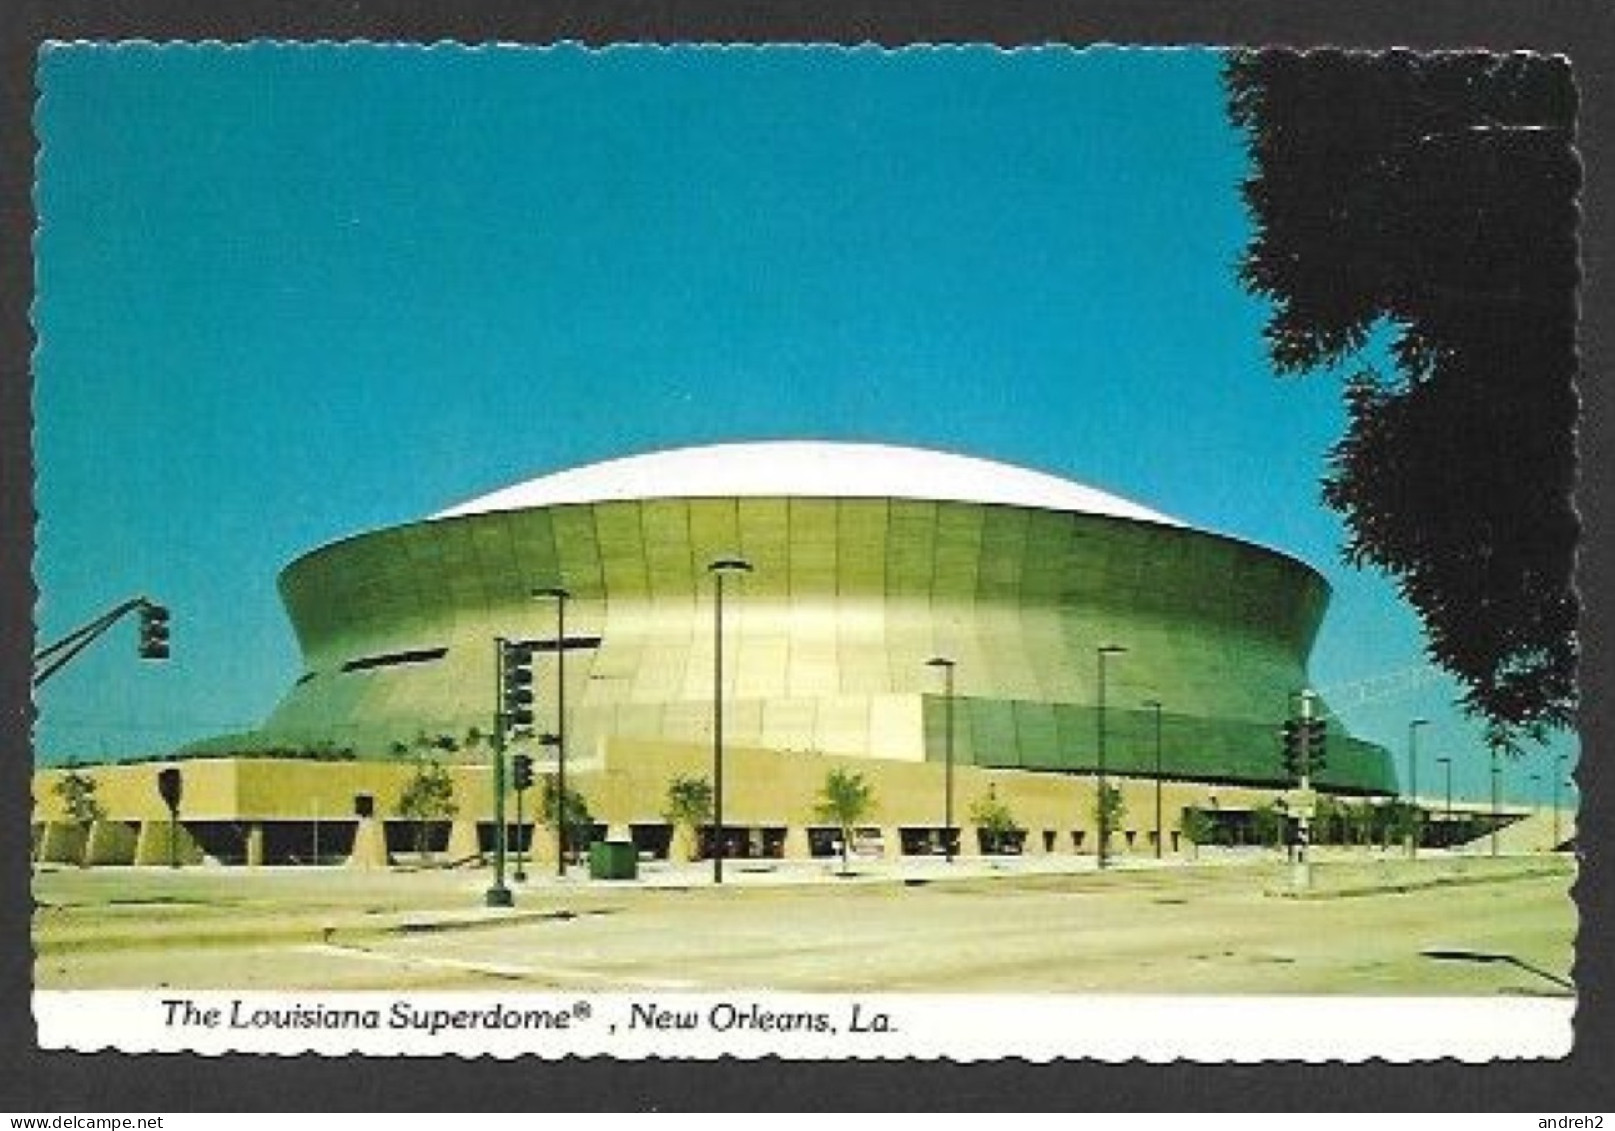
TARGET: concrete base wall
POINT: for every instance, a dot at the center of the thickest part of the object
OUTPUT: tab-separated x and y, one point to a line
369	845
684	844
625	783
152	845
110	842
61	842
463	842
796	844
542	847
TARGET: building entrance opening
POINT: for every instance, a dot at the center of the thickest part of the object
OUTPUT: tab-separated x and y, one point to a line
746	842
652	841
926	840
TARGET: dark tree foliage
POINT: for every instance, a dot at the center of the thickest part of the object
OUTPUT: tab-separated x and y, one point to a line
1436	196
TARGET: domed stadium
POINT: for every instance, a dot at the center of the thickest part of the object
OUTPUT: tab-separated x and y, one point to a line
866	561
873	595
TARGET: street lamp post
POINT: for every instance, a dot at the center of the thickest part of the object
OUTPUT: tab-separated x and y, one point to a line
1155	706
1558	776
1534	793
1413	784
947	667
1104	652
1445	763
719	569
560	597
1497	772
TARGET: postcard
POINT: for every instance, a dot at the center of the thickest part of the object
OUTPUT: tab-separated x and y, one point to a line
804	551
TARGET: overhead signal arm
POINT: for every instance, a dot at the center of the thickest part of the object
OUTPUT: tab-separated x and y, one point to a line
56	655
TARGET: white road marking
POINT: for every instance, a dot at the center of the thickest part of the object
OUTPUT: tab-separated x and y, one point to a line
495	969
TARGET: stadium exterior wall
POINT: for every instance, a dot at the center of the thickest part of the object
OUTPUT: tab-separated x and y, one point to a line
252	810
826	641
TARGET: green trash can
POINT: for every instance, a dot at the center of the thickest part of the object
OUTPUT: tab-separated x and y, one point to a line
613	860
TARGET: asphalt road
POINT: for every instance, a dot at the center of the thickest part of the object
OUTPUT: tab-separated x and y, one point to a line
1367	927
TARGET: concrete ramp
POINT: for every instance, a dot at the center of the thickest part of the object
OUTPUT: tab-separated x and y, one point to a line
1533	832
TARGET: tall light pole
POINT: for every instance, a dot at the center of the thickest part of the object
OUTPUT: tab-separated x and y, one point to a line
1413	784
1558	776
947	667
1155	706
1445	763
560	597
1534	792
1497	772
1104	652
719	569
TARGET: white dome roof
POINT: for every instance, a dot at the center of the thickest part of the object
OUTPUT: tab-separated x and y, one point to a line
807	469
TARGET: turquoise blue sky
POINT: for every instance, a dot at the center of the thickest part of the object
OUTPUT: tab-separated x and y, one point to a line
291	293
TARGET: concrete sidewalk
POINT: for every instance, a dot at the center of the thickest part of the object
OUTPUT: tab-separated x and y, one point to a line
773	873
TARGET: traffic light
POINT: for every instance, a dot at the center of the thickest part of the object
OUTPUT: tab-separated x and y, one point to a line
521	772
1317	744
518	691
153	631
1294	746
1305	746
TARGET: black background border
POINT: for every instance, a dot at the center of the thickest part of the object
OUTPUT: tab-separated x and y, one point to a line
65	1082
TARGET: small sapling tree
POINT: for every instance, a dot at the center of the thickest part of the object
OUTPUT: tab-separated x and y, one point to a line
689	806
428	797
77	793
1109	808
579	822
1196	828
845	801
996	822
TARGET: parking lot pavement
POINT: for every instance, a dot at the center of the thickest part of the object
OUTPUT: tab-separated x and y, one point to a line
662	873
1017	925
